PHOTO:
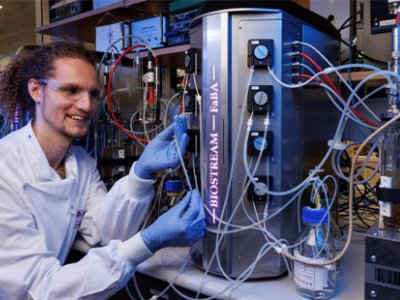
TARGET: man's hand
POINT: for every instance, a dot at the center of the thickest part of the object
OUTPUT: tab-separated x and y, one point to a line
182	225
162	152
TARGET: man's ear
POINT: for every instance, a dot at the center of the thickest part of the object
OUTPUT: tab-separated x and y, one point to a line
35	90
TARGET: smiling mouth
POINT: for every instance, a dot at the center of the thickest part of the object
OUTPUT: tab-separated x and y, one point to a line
78	118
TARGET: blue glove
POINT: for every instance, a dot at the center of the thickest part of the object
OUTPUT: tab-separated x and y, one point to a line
181	226
162	153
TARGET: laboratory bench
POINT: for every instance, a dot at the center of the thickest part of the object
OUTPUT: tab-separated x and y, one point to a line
173	265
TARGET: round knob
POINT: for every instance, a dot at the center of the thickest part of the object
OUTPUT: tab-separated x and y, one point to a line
261	52
260	189
260	98
260	143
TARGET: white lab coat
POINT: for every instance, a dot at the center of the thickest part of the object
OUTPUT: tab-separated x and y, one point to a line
40	215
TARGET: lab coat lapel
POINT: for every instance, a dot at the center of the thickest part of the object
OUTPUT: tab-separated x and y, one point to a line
53	201
44	177
54	204
52	184
57	189
50	211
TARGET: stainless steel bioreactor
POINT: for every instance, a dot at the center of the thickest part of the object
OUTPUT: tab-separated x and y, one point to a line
230	40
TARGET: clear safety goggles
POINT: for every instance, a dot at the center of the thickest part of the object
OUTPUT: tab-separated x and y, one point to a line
71	91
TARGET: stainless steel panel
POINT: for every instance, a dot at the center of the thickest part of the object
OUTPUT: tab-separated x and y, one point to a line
225	80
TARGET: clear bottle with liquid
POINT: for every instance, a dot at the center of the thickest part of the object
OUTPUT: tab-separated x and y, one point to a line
336	235
338	244
315	245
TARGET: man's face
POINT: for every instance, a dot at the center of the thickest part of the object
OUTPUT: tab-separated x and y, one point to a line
70	97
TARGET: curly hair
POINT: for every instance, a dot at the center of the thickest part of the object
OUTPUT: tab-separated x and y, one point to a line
35	62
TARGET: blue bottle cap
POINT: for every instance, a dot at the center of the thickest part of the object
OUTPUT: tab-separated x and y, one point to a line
314	215
173	186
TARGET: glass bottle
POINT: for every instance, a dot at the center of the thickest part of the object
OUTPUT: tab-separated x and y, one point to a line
336	235
315	245
173	190
338	244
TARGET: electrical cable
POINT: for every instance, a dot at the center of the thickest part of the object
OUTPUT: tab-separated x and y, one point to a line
117	123
185	83
347	103
218	241
348	20
330	83
350	114
310	176
135	283
116	41
167	108
260	222
301	185
219	235
144	120
231	287
384	63
351	195
386	74
340	76
194	173
349	66
340	172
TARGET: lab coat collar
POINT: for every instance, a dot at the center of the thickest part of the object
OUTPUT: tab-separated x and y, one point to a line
45	177
60	189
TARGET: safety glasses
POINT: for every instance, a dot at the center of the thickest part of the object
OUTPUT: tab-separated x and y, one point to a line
71	91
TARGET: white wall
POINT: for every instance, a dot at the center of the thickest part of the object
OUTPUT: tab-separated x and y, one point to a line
340	10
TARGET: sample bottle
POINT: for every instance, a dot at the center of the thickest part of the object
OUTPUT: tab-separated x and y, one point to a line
173	189
338	244
336	235
315	245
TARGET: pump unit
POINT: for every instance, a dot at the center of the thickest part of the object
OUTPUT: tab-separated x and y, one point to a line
235	42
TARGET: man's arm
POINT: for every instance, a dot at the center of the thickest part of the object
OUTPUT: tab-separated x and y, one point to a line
28	267
118	213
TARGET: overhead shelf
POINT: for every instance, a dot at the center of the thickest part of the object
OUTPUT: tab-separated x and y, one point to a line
83	26
168	56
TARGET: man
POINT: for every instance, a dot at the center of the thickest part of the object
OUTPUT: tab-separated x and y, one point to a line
50	190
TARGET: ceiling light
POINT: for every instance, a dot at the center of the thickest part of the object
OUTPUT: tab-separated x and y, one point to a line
1	6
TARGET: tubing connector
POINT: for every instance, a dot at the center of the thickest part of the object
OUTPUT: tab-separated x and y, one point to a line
296	45
336	144
198	99
280	249
267	122
249	123
329	70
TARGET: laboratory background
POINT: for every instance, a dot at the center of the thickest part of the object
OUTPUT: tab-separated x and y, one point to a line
293	116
